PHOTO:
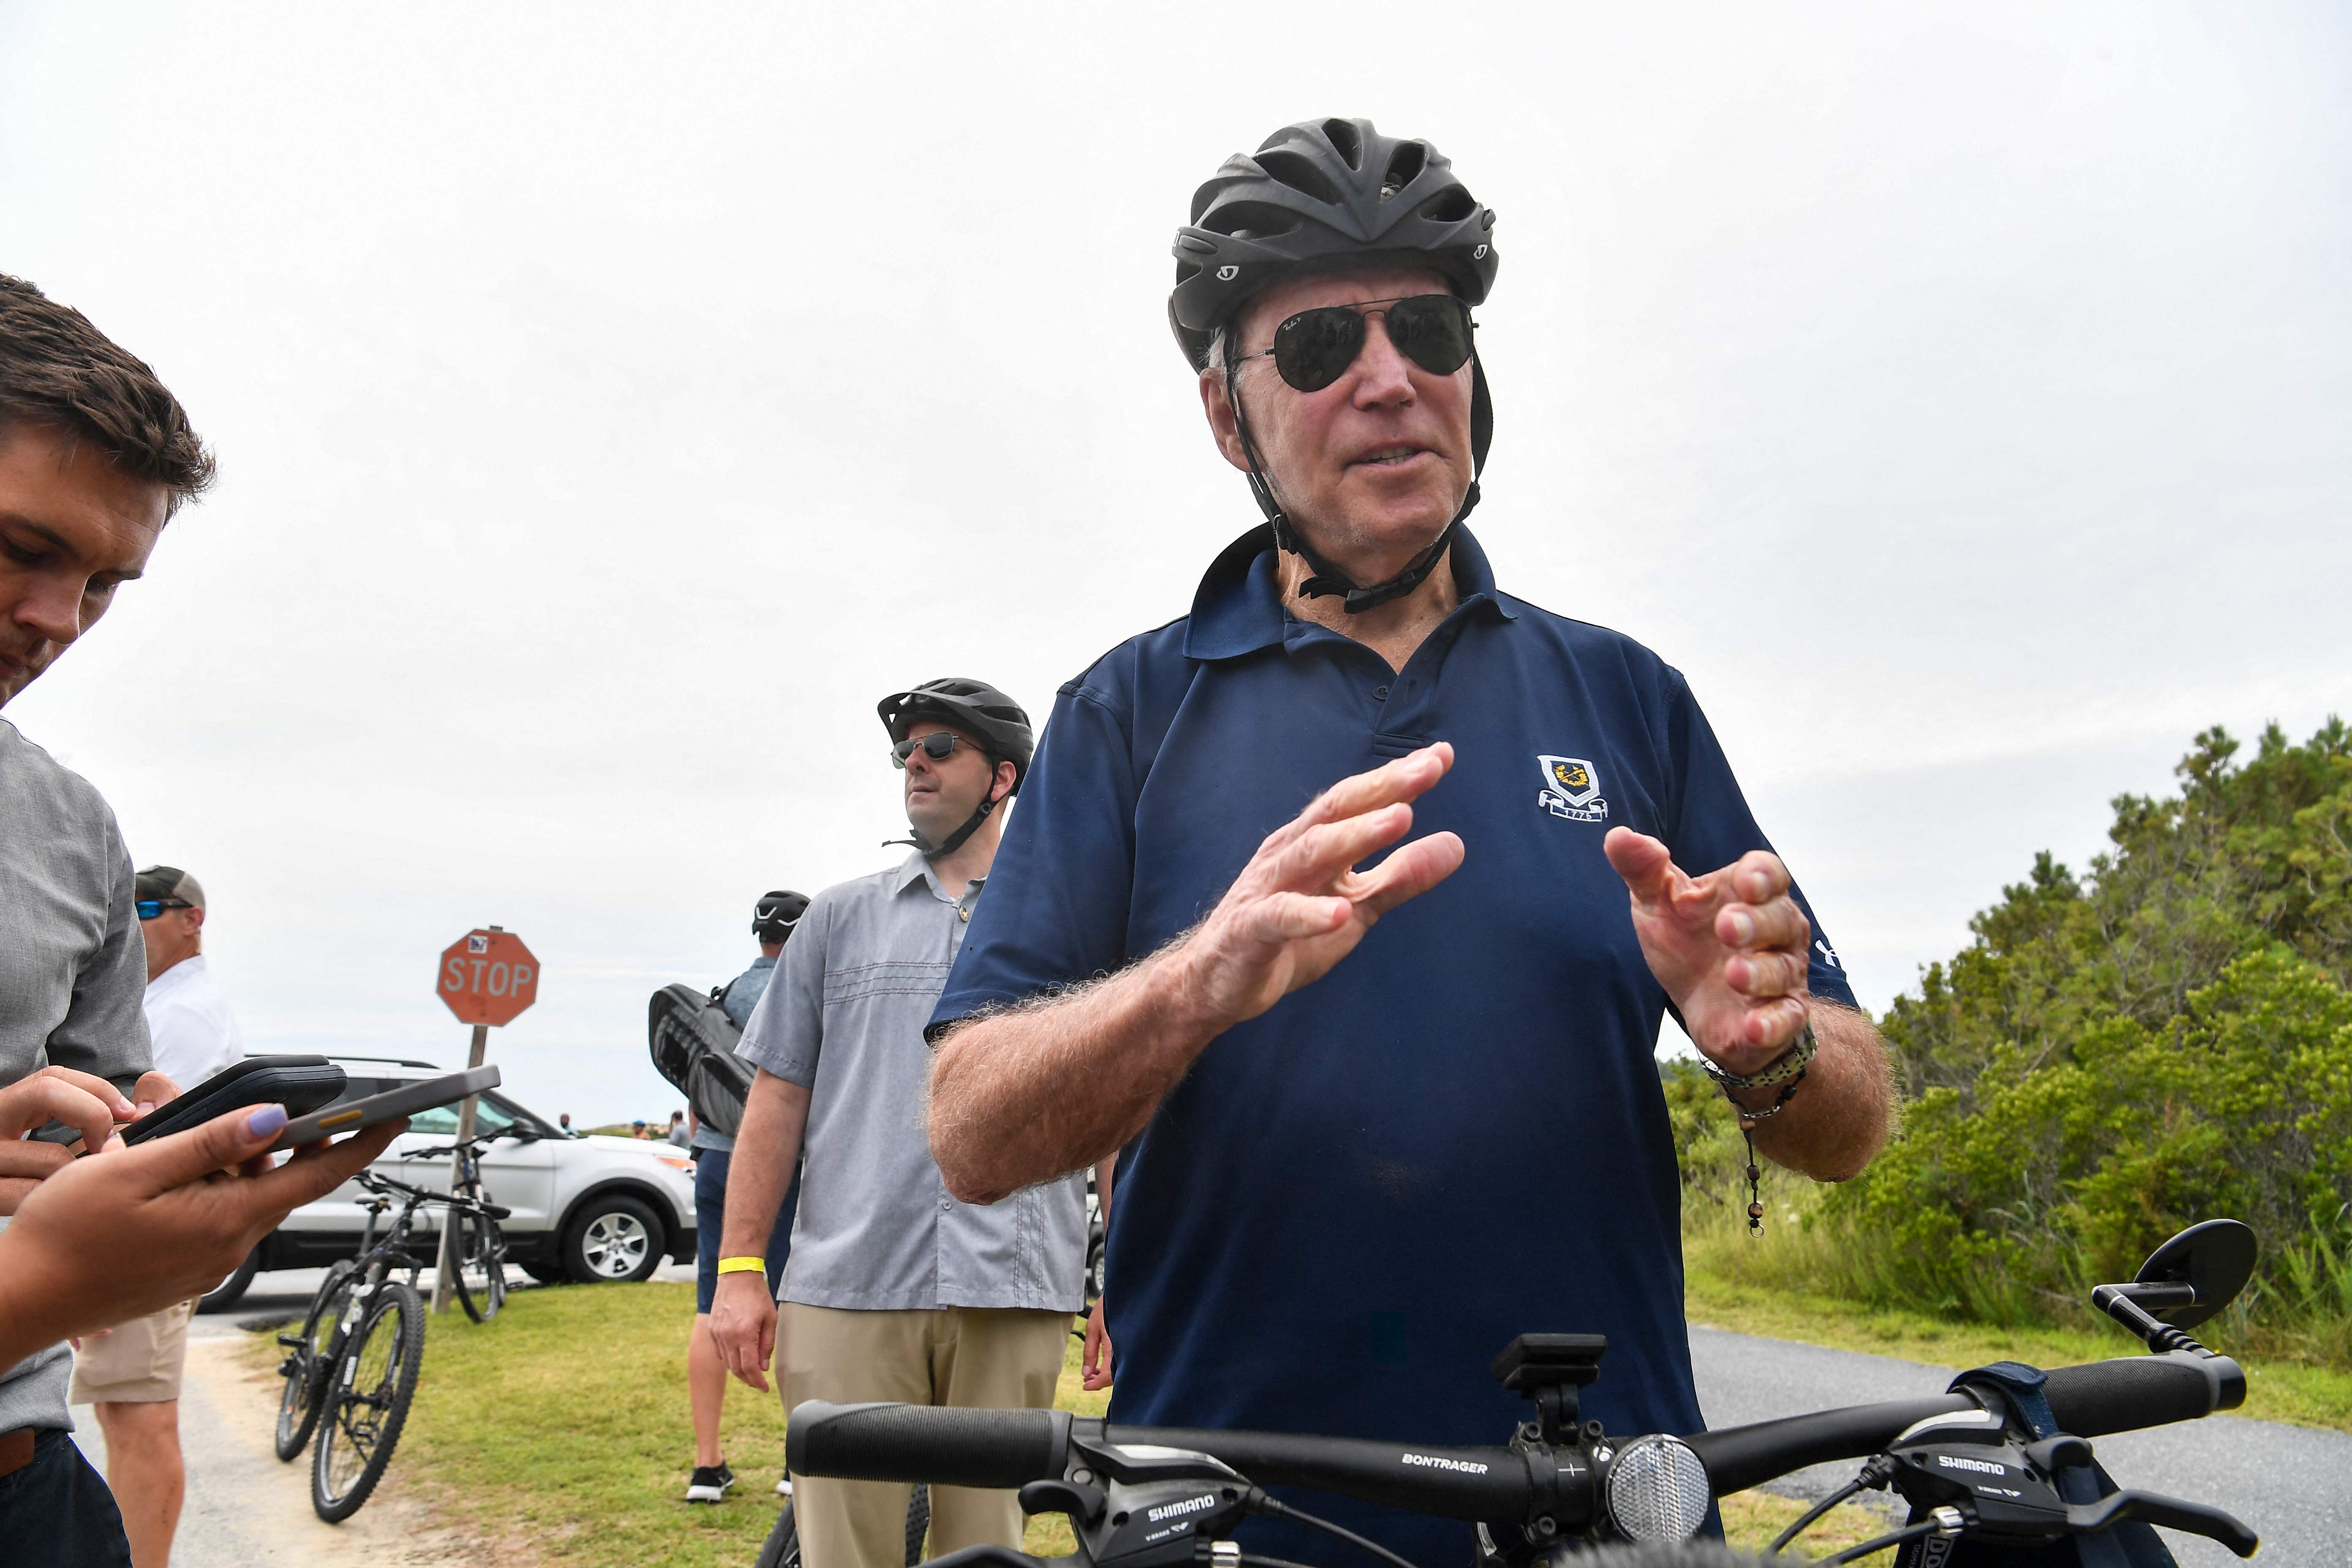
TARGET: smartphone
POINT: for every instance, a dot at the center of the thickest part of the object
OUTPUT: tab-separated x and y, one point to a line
406	1100
299	1083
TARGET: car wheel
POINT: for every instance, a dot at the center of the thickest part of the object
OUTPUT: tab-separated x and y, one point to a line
614	1237
223	1296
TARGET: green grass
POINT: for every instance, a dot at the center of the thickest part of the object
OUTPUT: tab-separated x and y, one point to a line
1761	1287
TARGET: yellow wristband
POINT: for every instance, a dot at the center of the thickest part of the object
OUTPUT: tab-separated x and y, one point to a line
743	1266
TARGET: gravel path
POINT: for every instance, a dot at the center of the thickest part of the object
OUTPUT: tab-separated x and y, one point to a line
244	1509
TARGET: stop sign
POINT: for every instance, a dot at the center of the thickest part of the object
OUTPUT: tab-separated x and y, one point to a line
488	976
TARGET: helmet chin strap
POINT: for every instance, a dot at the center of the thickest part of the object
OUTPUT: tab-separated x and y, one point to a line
1325	578
953	841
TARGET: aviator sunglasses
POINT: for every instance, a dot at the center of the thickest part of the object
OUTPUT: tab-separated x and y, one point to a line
1313	348
936	746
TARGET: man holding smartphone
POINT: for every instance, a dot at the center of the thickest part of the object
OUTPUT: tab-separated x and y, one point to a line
94	455
131	1374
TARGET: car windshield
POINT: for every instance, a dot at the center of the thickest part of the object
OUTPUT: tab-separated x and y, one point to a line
489	1119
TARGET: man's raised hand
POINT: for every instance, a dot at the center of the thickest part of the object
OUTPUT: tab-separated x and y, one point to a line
1730	947
1298	906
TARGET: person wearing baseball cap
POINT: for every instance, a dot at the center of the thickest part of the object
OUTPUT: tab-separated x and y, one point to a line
192	1027
131	1374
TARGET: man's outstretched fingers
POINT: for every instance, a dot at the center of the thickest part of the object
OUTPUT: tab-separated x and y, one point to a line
1762	974
1294	917
1413	871
1779	923
1647	865
1321	853
1407	778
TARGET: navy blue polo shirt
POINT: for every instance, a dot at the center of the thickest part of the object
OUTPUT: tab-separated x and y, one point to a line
1354	1201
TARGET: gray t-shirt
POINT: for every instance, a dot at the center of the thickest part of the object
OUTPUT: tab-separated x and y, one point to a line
843	1019
73	968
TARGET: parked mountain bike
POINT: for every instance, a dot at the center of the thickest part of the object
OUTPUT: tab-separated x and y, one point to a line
481	1276
1997	1471
351	1372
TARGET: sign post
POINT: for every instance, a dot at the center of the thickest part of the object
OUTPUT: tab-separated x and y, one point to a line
486	977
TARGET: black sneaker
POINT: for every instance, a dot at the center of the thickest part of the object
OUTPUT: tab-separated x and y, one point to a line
710	1483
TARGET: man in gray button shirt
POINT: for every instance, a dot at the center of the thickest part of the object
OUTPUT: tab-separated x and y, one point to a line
895	1291
95	454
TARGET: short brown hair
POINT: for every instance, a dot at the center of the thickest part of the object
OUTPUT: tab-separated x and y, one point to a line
58	370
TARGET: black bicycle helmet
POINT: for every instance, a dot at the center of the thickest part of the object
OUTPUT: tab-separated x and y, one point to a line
1320	196
977	709
776	913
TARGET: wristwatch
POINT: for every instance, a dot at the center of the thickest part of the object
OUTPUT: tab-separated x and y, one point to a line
1789	1063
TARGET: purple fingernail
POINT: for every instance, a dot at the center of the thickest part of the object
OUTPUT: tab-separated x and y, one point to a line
265	1122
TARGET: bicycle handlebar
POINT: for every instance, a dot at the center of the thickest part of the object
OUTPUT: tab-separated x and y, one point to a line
1005	1448
995	1449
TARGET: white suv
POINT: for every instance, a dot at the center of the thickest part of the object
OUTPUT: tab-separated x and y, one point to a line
586	1208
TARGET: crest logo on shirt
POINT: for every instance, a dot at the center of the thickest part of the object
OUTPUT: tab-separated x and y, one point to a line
1571	790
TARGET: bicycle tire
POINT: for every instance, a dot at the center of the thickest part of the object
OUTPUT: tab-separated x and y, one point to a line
367	1403
783	1544
782	1548
479	1246
307	1364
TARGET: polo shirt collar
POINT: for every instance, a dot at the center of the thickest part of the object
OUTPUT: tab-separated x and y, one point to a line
914	868
1238	608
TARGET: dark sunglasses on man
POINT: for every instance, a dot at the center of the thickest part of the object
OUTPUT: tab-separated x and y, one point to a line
1314	348
149	908
937	745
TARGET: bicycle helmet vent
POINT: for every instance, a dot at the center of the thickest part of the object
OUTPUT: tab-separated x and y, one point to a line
1315	196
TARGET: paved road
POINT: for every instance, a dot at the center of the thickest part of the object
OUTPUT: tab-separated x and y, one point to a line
2292	1485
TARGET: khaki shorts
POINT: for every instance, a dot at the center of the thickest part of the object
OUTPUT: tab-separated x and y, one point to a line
138	1363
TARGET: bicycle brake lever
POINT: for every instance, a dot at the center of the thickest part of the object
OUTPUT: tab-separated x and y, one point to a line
2196	1518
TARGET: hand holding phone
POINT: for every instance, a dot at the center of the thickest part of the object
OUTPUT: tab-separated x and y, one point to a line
300	1084
79	1104
406	1100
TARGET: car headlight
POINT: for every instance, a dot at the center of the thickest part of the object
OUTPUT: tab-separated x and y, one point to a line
675	1162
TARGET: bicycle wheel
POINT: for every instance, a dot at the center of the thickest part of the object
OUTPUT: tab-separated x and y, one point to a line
367	1401
918	1524
783	1547
308	1358
481	1273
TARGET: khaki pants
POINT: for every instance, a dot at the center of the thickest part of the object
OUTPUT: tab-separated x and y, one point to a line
973	1357
140	1362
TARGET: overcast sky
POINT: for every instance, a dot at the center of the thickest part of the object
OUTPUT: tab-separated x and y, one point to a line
612	406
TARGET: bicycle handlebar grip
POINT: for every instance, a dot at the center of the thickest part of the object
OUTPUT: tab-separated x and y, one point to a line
2132	1392
1000	1448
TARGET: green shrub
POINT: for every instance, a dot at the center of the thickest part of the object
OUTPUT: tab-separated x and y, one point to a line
2115	1057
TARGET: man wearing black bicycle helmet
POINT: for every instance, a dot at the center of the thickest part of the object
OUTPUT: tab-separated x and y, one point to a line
895	1290
1338	1201
987	718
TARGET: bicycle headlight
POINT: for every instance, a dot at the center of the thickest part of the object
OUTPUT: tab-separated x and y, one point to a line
1657	1490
